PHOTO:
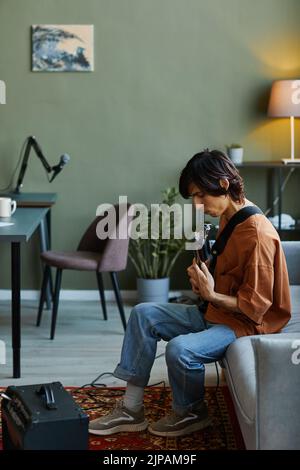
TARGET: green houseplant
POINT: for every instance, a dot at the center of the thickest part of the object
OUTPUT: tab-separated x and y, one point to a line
235	153
156	249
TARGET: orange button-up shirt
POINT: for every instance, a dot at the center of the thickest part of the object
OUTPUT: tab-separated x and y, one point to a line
252	268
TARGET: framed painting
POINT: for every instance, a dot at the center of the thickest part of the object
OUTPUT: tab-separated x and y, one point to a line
62	48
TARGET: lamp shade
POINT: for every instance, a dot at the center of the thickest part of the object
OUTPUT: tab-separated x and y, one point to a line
285	98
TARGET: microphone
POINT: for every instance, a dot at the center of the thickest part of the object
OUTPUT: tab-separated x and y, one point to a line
64	159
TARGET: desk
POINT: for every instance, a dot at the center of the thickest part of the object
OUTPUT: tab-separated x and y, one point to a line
39	200
32	199
276	170
26	221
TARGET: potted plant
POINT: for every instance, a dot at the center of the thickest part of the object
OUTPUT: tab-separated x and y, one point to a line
153	254
235	153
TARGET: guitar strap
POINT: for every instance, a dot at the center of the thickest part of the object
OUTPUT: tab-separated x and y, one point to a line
220	243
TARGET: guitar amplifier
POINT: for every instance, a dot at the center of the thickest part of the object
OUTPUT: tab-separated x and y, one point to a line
43	417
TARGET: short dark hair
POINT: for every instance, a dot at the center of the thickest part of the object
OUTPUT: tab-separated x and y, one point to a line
205	169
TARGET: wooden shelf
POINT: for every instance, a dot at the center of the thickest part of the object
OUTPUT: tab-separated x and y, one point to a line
267	164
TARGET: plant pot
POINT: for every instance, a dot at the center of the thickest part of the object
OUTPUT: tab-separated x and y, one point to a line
236	155
153	290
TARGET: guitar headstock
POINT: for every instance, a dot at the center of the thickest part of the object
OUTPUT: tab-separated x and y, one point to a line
200	238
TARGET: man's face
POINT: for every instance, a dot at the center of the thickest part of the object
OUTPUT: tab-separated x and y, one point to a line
213	205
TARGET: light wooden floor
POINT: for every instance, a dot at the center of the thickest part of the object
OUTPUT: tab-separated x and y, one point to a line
85	346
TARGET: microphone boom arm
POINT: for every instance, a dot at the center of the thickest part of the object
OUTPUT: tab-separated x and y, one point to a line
31	143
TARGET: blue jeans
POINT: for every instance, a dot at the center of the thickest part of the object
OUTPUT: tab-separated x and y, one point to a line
192	342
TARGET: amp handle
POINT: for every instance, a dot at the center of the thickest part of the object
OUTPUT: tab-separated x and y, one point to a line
47	392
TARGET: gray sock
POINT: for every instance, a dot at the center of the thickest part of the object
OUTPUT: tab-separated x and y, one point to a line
133	398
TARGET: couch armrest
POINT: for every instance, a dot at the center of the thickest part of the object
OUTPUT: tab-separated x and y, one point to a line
278	392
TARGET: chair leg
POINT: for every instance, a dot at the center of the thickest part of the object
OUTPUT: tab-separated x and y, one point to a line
115	284
51	286
43	294
101	292
44	246
55	301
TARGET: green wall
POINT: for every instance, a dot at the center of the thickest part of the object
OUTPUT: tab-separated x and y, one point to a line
171	77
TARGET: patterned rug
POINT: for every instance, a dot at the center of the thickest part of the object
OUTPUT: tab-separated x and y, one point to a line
224	433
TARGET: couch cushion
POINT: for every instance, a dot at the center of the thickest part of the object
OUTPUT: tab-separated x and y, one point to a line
293	325
240	366
239	362
292	254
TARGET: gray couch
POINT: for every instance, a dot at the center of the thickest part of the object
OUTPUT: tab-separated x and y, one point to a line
263	375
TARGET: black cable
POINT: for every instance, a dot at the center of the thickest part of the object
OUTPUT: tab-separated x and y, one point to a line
91	391
93	397
95	384
159	355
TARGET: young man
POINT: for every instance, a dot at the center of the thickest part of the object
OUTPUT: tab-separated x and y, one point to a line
248	295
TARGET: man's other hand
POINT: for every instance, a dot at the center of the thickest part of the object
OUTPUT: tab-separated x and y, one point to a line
201	280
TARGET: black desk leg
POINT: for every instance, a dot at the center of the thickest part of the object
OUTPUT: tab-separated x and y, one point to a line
16	306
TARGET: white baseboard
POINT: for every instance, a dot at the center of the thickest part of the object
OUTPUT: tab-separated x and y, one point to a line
83	295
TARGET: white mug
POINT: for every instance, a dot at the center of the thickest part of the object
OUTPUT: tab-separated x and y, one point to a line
7	206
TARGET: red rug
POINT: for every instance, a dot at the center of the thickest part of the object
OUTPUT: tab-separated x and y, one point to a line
223	434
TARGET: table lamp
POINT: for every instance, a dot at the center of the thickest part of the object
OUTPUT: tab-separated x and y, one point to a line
285	102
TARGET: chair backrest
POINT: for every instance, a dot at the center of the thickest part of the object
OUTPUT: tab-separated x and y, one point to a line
292	254
114	251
